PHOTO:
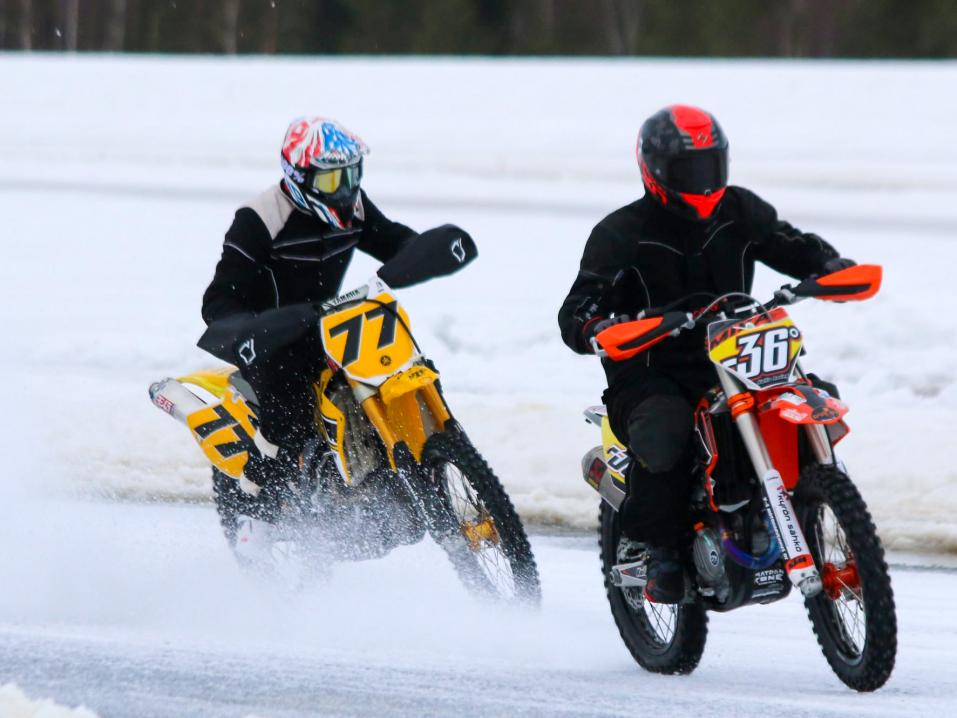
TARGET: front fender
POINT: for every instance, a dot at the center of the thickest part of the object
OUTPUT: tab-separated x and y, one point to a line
802	404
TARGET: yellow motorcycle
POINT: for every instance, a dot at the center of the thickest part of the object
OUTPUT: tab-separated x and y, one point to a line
389	462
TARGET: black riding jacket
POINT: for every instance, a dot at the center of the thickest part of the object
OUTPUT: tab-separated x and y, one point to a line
275	255
674	257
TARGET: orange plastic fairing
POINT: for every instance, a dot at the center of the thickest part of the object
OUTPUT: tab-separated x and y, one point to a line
781	438
863	281
623	341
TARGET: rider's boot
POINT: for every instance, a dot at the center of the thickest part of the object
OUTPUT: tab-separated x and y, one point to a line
630	550
271	477
661	567
255	539
666	576
257	529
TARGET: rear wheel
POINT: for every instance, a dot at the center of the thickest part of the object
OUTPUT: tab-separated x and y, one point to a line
854	617
231	501
662	638
475	522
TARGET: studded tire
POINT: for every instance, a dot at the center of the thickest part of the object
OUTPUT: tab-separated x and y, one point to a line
824	490
681	652
485	497
228	498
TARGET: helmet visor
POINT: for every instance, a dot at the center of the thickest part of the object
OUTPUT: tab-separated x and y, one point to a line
329	181
698	172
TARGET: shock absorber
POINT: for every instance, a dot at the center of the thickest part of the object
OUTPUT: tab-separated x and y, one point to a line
799	564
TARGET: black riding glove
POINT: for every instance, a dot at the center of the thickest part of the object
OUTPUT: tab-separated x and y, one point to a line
598	324
837	264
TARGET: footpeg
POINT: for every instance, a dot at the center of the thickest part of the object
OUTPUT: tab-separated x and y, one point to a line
629	575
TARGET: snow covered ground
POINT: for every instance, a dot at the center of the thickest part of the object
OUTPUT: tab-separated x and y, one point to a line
119	176
14	703
117	180
139	611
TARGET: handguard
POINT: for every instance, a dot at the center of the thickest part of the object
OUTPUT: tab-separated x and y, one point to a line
623	341
856	283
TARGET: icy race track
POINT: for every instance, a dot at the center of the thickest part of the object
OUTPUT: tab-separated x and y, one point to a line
162	624
117	180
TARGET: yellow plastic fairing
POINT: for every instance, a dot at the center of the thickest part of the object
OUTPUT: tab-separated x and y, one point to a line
414	411
369	340
332	422
224	431
215	381
617	457
404	382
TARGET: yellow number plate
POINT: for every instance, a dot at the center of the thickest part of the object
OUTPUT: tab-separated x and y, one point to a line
370	340
761	350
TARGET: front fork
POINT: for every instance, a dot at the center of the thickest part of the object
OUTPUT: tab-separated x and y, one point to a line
799	563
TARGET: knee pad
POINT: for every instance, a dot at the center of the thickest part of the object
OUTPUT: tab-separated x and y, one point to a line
658	432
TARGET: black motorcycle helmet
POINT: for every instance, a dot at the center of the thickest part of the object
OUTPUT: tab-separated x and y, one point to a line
683	155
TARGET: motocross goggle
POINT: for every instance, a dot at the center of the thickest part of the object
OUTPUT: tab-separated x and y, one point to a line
696	172
328	181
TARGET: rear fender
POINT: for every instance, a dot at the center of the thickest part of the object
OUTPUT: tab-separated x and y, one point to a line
215	381
594	414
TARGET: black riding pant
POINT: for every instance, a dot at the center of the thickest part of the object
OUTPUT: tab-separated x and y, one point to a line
654	413
283	385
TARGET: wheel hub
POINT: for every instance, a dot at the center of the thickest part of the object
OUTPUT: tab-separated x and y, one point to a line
483	529
836	580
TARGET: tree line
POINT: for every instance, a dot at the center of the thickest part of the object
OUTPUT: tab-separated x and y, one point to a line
691	28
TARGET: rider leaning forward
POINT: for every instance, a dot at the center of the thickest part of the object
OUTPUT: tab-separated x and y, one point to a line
693	236
286	252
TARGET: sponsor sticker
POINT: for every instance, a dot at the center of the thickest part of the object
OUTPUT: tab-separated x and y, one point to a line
291	172
618	459
163	403
770	575
793	414
359	293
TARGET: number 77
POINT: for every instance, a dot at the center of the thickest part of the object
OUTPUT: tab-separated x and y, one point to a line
352	328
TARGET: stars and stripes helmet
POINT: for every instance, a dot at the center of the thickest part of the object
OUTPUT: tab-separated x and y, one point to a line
683	155
322	166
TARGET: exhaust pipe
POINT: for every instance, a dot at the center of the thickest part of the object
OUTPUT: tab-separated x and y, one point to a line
175	399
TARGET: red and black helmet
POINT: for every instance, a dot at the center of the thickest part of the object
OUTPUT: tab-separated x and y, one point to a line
683	155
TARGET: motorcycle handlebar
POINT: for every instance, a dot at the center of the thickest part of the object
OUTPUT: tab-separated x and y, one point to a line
625	340
656	324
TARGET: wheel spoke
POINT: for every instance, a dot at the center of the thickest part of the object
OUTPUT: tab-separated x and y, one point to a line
847	605
664	626
478	529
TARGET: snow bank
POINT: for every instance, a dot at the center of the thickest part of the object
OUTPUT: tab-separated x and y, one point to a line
15	704
119	176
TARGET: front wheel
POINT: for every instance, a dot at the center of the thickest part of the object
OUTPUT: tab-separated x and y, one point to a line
475	522
854	616
662	638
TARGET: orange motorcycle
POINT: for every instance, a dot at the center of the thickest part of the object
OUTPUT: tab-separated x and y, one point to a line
772	508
